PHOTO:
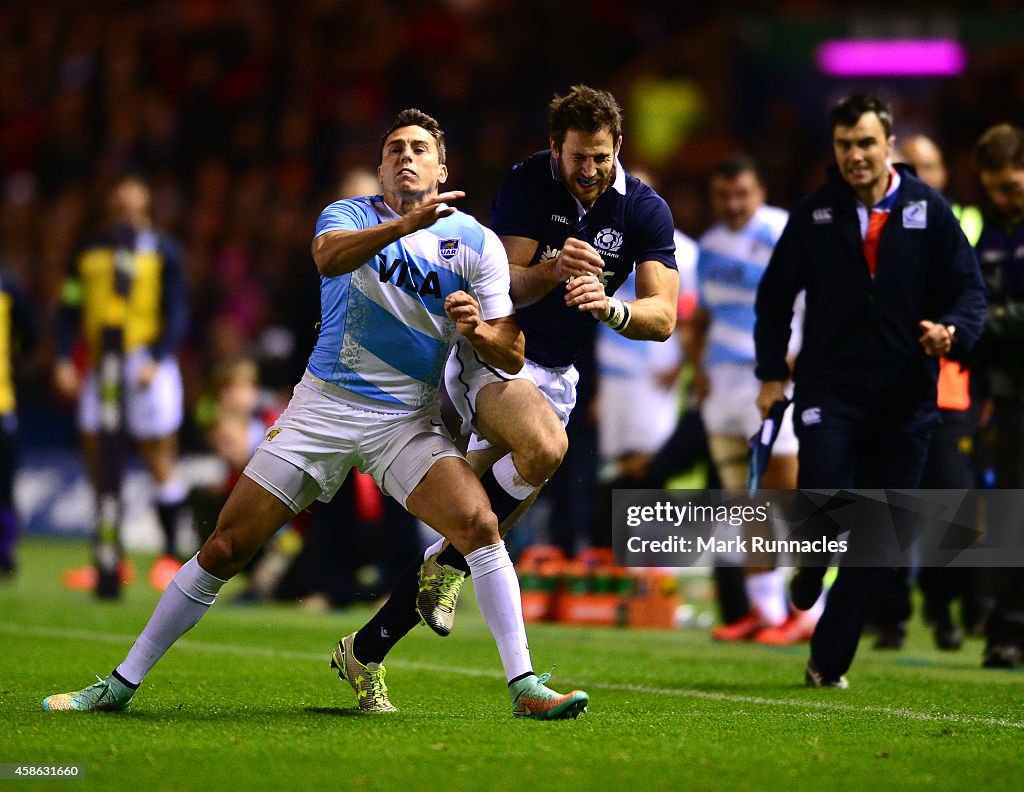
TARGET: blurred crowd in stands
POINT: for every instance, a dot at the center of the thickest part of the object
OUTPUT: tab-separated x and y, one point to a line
246	116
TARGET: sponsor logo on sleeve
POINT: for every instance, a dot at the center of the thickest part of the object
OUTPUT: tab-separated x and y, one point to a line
811	416
548	253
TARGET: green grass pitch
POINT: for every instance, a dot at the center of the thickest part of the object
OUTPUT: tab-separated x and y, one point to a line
246	701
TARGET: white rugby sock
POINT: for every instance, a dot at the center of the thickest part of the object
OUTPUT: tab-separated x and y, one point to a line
511	480
171	492
767	591
497	594
818	607
506	489
190	594
434	548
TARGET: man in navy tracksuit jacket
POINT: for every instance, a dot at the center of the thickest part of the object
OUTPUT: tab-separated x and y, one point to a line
891	284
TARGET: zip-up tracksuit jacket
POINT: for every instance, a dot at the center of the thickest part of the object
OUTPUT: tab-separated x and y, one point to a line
861	332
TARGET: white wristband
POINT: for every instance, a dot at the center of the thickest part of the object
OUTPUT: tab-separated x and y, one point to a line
618	315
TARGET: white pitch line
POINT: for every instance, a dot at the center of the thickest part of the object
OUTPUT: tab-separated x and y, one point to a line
321	657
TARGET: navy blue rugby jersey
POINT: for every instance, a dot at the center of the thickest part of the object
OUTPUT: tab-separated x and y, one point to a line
628	224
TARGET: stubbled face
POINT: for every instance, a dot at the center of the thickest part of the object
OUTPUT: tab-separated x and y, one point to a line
734	200
1005	189
862	153
409	163
587	163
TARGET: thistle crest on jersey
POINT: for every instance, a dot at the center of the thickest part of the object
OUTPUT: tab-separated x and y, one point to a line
608	239
447	248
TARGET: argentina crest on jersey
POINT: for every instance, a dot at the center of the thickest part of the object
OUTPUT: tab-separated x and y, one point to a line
447	248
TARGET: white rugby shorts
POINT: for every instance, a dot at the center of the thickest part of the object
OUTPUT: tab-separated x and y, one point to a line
731	407
324	432
465	374
635	415
150	412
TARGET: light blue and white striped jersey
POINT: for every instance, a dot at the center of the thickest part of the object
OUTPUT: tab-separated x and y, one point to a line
729	268
384	335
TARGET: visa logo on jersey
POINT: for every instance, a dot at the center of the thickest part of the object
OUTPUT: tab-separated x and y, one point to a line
405	277
447	248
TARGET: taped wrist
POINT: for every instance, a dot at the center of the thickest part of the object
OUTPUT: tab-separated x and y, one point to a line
618	315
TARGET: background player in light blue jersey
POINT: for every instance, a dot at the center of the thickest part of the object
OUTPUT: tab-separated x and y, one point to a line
733	255
639	398
396	275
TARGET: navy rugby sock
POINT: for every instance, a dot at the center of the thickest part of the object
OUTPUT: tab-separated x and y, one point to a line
453	558
502	503
398	615
169	515
394	619
123	681
171	501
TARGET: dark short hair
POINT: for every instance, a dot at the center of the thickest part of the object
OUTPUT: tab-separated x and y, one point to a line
848	110
586	110
737	164
414	117
1000	146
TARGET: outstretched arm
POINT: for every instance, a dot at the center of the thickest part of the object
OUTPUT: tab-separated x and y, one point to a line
339	252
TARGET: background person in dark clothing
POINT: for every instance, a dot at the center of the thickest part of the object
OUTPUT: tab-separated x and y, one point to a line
892	284
999	160
947	466
130	255
17	335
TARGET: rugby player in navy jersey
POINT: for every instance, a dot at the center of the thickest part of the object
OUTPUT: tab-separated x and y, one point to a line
574	224
402	276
